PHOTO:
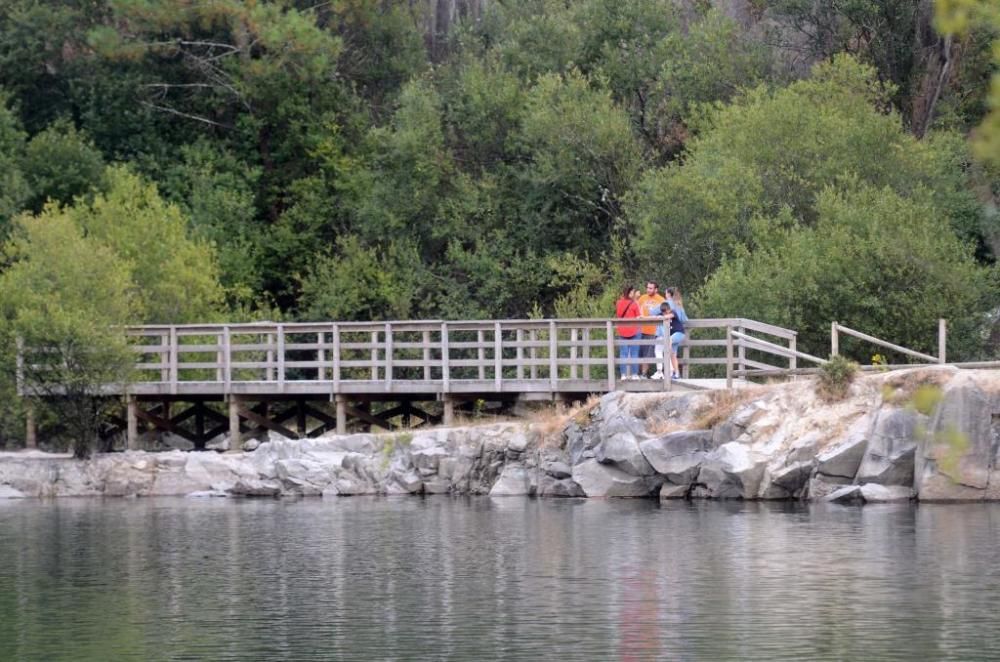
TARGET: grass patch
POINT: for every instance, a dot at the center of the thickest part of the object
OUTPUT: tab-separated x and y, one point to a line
719	406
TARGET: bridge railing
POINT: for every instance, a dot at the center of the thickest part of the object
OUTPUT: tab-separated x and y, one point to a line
488	355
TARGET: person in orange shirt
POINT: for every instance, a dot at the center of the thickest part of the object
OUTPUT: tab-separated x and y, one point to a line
649	306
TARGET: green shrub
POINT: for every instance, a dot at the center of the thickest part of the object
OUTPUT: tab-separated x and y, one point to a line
835	378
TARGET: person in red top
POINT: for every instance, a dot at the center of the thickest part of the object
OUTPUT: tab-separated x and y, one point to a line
627	308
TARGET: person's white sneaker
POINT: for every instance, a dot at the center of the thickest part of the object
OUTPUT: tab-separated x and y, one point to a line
657	375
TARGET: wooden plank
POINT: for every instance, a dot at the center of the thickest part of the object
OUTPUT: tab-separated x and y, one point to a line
374	355
388	356
427	354
336	357
481	354
519	352
553	355
320	357
888	345
612	373
281	358
763	345
173	359
497	356
572	352
445	357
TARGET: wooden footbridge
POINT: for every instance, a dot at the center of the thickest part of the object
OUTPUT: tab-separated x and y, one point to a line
304	379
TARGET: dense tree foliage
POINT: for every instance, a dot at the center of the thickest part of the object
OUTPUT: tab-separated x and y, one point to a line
377	158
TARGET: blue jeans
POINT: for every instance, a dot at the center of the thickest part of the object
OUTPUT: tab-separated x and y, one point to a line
627	349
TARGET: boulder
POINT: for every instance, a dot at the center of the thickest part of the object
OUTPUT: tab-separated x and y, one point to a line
437	486
786	481
255	488
558	470
820	486
671	491
889	459
8	492
846	494
843	458
678	456
410	482
513	481
875	493
732	471
957	454
553	487
622	450
603	480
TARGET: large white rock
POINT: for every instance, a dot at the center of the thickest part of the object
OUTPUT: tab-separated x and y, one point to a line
732	471
621	449
513	481
678	456
602	480
843	458
889	459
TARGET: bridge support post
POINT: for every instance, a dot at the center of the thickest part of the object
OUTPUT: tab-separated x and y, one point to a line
449	411
235	438
31	427
341	414
132	422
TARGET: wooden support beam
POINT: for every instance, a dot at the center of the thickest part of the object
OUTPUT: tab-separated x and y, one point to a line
235	439
367	417
341	415
300	417
132	416
265	422
159	423
449	411
31	428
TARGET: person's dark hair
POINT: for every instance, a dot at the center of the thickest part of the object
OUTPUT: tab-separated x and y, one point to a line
653	283
626	291
664	307
671	290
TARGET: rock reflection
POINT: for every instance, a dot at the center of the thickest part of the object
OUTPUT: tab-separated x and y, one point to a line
481	578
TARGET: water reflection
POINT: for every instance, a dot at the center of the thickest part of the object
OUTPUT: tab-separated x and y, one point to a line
480	578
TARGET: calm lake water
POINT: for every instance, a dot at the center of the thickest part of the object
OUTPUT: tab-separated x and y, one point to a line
481	578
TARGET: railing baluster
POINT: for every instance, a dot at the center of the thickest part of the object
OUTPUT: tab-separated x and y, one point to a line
497	357
553	355
445	359
572	352
281	358
374	355
519	339
173	360
427	355
227	359
388	356
610	342
586	353
481	354
320	357
336	357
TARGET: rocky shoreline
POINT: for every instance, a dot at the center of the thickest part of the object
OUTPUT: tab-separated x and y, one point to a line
931	434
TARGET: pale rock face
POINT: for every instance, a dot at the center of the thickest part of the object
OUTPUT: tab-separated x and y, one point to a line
512	482
622	450
780	443
678	455
732	471
843	458
958	452
889	458
602	480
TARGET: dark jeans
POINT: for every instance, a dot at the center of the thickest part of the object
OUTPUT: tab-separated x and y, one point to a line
646	352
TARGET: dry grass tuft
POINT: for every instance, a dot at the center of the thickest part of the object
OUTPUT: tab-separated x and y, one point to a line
720	405
549	422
